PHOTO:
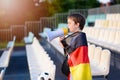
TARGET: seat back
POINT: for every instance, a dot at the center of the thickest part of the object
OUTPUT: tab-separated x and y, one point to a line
111	36
117	38
105	61
91	49
43	34
97	56
62	25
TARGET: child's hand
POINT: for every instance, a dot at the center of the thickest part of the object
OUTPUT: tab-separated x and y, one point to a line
60	39
64	43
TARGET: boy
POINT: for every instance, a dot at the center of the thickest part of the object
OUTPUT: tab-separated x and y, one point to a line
75	45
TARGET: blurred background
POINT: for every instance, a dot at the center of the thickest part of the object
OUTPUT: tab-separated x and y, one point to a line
14	12
19	17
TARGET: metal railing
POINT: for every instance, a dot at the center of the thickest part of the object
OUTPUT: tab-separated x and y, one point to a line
20	31
104	10
5	34
84	12
33	26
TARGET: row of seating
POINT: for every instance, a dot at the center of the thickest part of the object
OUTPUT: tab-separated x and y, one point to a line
5	57
93	18
113	16
38	60
99	60
105	37
113	24
109	17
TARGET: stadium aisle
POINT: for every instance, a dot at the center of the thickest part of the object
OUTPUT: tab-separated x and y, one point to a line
18	68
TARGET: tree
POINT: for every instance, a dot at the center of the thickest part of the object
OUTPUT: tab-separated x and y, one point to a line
64	5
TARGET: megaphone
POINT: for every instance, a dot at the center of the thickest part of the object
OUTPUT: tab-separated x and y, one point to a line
57	33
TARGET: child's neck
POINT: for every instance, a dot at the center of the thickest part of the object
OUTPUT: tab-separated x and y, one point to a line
78	30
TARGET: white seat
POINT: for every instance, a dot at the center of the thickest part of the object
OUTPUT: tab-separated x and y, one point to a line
104	64
5	57
97	55
2	72
91	49
101	62
111	36
117	38
35	57
101	34
96	34
107	37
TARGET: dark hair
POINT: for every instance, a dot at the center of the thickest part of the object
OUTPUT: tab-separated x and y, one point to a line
78	18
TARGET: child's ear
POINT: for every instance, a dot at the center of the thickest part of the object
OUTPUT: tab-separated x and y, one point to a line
78	24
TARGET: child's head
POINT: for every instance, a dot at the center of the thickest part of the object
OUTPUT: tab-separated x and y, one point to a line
75	22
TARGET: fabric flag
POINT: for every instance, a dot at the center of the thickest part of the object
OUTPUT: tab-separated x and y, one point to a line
78	59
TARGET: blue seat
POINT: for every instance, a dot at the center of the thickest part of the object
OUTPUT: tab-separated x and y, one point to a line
29	38
62	25
43	34
11	43
91	18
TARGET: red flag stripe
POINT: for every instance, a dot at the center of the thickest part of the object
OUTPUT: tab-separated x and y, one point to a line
80	55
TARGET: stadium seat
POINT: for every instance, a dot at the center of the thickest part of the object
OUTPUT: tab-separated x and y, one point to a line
35	57
2	73
43	34
111	36
99	61
104	64
97	55
91	50
92	18
5	57
29	38
11	43
62	25
117	38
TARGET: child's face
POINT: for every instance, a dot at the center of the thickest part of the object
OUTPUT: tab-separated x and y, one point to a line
71	25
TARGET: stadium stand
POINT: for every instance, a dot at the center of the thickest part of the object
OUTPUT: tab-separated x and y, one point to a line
92	18
105	33
96	56
100	33
99	60
35	57
5	57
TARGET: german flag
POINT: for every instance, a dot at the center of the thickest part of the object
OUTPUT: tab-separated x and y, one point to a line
78	59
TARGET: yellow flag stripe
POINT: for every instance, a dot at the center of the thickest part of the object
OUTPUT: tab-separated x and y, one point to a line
81	72
65	30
